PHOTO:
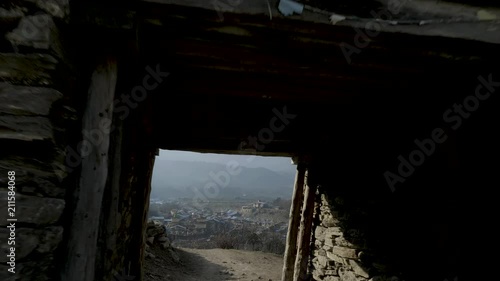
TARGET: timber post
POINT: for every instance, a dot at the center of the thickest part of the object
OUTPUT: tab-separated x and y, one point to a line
293	224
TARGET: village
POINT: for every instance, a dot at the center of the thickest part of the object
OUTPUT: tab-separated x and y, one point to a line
239	224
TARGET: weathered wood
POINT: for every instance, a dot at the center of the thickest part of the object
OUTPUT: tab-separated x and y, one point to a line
463	25
293	224
82	244
304	235
456	27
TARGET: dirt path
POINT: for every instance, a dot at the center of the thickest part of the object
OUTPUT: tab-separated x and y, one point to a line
215	265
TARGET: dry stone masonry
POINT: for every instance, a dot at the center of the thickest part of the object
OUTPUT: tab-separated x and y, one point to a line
341	252
63	71
156	237
35	118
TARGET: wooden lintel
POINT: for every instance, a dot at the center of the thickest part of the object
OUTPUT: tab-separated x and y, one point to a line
473	28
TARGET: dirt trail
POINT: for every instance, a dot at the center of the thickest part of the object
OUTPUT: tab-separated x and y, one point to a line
214	265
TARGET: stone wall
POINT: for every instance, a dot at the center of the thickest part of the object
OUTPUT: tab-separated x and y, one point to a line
57	83
37	122
156	238
342	252
363	231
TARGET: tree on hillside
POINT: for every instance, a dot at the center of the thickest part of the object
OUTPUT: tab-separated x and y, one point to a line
274	244
253	242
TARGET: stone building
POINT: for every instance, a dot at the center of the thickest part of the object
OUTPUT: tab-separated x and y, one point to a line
247	210
389	107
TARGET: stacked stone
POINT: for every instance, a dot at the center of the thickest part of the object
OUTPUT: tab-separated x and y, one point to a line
342	254
157	237
33	121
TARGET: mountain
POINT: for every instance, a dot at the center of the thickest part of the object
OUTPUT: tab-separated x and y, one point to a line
278	164
175	179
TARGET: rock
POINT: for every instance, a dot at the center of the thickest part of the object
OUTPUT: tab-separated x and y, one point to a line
12	15
157	223
31	69
34	210
29	243
56	8
316	276
50	238
315	261
165	245
150	224
38	31
318	243
484	15
347	275
162	239
331	278
32	176
331	272
22	100
150	255
358	269
344	252
40	241
341	241
36	270
155	231
333	231
322	261
329	242
327	248
329	221
319	232
320	252
319	272
150	240
26	128
335	258
7	276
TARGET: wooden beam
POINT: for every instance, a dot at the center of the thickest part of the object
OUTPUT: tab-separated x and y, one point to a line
293	224
472	29
462	23
83	235
304	235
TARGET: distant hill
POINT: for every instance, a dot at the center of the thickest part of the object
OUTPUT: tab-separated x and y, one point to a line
176	179
278	164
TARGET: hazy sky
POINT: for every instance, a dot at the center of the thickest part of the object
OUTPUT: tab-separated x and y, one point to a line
179	174
272	163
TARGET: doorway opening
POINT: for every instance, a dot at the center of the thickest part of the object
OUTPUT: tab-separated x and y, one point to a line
219	216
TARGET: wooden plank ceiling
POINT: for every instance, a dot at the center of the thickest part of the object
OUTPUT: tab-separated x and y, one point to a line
228	75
